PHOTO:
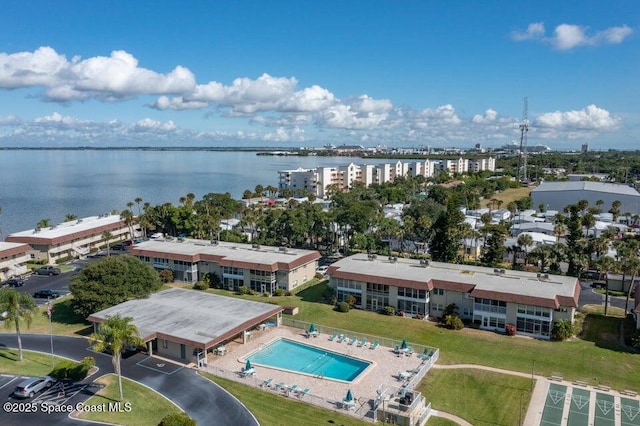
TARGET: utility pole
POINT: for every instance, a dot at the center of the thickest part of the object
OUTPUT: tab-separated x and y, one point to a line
524	128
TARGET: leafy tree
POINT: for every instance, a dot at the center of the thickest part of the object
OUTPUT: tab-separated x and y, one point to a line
44	223
562	330
110	281
18	308
177	419
493	251
525	241
69	217
446	238
166	276
114	335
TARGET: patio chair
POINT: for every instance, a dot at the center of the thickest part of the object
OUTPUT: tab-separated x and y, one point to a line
362	342
374	345
293	388
409	351
352	341
267	383
281	385
333	336
343	338
303	392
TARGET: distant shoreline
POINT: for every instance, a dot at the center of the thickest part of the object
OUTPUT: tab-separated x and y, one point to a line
149	148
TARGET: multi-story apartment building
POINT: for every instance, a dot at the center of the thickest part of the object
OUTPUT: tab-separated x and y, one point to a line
483	164
75	238
13	259
317	180
491	298
262	268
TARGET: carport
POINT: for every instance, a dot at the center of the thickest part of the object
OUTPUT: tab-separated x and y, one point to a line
184	324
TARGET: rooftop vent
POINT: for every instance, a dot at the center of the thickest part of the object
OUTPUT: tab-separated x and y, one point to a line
214	242
282	249
256	246
543	276
393	259
499	271
372	256
424	263
37	229
79	221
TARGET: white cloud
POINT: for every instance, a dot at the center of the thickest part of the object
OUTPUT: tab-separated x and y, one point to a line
117	76
533	31
489	116
149	125
568	36
584	123
360	112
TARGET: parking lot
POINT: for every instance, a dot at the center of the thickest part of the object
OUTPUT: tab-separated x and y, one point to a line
20	411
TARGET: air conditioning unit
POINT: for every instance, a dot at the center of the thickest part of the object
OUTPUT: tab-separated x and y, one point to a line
372	256
255	246
424	263
499	271
393	259
282	249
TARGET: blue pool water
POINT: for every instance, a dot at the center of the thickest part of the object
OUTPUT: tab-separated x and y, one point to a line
300	358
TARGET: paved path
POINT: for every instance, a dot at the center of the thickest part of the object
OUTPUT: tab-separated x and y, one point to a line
203	400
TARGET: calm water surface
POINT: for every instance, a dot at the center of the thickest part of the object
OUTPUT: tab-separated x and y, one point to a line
37	185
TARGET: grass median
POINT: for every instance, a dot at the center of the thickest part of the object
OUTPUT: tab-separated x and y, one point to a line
32	364
141	406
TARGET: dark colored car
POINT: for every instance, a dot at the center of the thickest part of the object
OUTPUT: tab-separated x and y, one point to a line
46	294
13	282
47	270
120	246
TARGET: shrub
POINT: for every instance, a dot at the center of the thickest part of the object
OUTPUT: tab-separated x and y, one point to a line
342	307
389	310
244	290
279	292
635	340
318	276
453	322
351	300
177	419
562	330
63	259
166	276
201	285
510	330
69	370
88	360
333	300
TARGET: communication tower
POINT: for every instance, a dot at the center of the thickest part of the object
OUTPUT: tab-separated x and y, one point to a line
524	128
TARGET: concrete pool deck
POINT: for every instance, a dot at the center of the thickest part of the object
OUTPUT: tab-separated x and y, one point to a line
384	368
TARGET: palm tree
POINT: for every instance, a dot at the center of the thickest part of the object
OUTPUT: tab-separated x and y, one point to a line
559	230
114	335
18	307
606	264
107	236
43	223
69	217
525	241
127	216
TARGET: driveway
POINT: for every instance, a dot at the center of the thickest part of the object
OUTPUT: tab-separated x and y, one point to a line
590	297
203	400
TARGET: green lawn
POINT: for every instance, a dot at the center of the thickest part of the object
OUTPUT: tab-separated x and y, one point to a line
63	320
438	421
271	409
480	397
32	364
576	359
147	406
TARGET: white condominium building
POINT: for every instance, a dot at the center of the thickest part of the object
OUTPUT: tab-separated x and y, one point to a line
318	179
13	259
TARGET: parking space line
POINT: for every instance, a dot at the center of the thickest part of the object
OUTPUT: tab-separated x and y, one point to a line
14	378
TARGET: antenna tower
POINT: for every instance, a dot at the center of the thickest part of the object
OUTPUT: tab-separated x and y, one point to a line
524	128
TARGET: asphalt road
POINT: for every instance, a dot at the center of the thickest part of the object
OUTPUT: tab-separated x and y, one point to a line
590	297
202	399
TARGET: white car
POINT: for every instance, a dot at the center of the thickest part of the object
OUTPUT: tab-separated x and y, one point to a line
322	270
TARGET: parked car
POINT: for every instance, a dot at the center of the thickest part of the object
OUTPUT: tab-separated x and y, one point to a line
29	387
322	270
120	246
46	294
13	282
47	270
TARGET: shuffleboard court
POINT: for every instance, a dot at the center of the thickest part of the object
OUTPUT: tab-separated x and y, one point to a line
629	412
579	408
553	406
605	410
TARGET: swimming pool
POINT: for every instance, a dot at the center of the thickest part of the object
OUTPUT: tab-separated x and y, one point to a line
289	355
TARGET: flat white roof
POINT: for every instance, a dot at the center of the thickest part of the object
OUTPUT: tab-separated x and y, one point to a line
71	227
481	278
192	316
587	186
230	251
13	247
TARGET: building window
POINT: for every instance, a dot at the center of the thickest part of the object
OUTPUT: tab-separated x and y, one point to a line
534	311
490	305
437	307
165	343
536	327
438	291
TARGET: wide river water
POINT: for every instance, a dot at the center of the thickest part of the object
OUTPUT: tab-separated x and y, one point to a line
49	184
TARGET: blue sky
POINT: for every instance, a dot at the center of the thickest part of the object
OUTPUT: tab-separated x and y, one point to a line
295	73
